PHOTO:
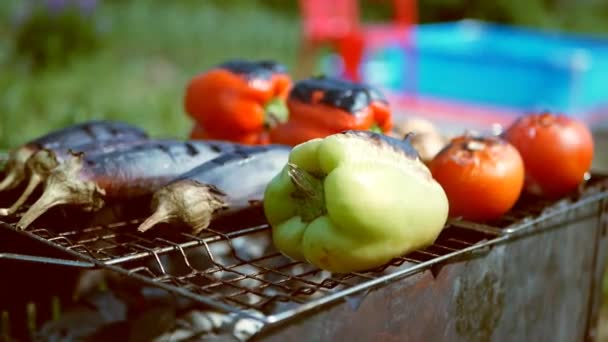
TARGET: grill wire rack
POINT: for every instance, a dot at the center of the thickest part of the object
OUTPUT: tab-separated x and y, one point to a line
239	272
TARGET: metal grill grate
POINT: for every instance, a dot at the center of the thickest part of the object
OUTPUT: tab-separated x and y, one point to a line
240	271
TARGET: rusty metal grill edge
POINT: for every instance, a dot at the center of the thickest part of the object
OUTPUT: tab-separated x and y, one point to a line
300	287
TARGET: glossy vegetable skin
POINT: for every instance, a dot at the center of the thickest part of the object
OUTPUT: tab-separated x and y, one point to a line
141	170
482	176
82	133
353	201
557	151
319	107
198	133
42	162
227	184
238	101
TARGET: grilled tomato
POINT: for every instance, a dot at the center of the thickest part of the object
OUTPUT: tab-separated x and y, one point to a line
557	151
482	176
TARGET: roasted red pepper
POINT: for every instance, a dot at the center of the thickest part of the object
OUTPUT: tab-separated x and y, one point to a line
321	106
238	101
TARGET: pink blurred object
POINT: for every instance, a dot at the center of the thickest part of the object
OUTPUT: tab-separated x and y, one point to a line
337	23
328	21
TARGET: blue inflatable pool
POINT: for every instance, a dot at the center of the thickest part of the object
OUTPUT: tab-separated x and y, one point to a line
497	65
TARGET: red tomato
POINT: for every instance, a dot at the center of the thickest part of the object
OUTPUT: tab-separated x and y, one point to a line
557	152
482	176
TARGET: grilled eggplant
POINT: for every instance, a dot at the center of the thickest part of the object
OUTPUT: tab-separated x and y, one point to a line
224	185
88	182
87	132
39	166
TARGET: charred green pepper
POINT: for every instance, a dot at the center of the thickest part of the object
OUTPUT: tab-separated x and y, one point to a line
353	201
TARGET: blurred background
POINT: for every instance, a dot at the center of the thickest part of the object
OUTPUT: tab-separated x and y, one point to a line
65	61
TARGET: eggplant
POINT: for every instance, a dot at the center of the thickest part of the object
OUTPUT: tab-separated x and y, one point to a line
89	182
42	162
224	185
86	132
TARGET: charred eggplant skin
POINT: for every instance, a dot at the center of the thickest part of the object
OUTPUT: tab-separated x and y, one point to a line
90	182
40	165
87	132
242	172
230	183
92	149
145	167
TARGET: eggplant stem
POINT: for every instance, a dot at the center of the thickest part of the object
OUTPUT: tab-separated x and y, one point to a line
15	168
309	194
161	215
11	180
33	183
185	201
52	197
65	186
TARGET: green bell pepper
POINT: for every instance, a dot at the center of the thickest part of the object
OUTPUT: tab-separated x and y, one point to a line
353	201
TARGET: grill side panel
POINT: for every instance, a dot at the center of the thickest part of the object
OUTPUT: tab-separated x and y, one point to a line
541	286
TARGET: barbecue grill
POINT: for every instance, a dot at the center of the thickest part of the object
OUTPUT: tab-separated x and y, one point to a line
534	275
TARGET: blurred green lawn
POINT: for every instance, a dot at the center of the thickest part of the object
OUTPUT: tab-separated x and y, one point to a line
149	53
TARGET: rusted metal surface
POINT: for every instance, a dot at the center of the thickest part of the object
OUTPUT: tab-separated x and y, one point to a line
535	288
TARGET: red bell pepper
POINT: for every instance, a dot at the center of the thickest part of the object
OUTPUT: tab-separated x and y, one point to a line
238	101
321	106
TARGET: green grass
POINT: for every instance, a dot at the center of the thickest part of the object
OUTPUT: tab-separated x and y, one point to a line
150	50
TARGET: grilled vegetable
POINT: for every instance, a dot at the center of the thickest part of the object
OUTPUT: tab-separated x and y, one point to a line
226	184
557	151
322	106
353	201
427	139
483	177
82	133
141	170
42	162
238	100
198	133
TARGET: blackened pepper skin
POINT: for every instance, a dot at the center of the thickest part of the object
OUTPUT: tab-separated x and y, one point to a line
321	106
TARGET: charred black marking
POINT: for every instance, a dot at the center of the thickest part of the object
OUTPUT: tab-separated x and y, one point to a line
263	69
86	132
215	148
166	149
348	96
114	131
403	146
191	150
89	130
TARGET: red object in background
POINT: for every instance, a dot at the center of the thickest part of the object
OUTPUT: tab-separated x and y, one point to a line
326	21
337	24
406	12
